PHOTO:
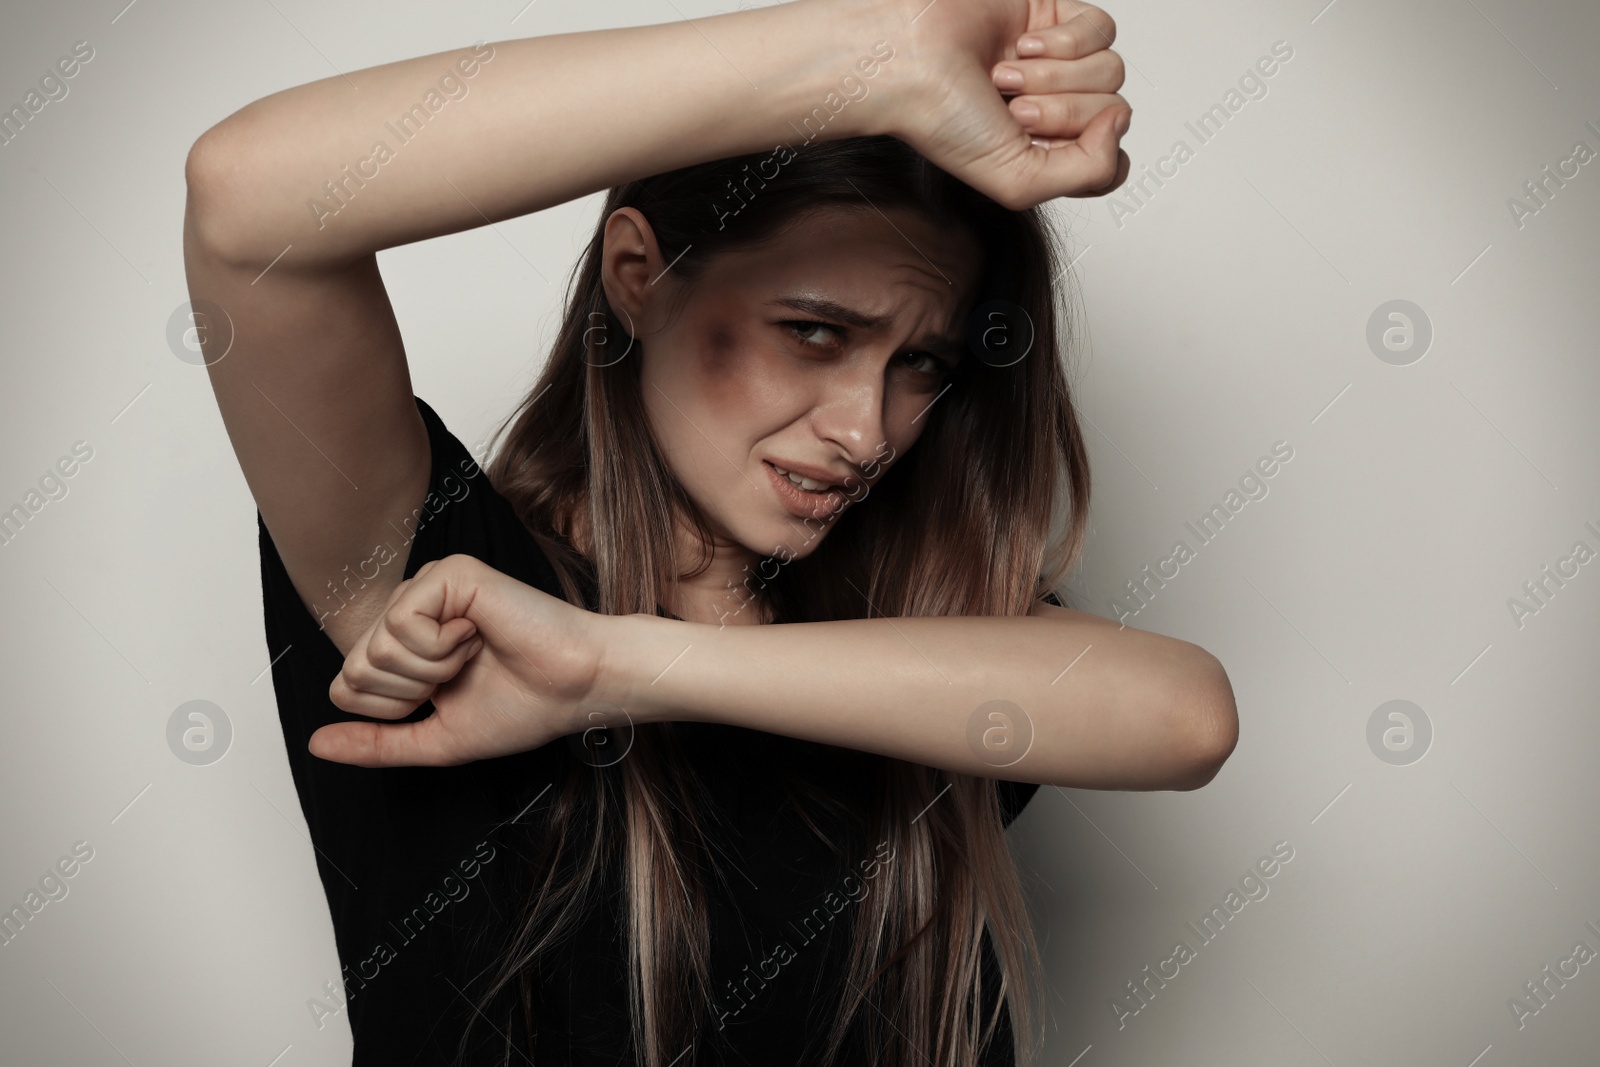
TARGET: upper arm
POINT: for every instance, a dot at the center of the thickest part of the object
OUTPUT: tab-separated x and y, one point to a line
316	398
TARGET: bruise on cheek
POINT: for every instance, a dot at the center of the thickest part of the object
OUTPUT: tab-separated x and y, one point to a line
719	365
717	354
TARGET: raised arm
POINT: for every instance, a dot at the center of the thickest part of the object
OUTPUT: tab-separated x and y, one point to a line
513	127
291	197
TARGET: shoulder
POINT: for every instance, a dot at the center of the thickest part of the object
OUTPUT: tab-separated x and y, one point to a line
460	512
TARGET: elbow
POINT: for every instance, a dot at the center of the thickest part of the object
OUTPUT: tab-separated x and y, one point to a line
203	170
213	177
1211	722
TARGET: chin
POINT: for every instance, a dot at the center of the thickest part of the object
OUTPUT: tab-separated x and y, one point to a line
799	540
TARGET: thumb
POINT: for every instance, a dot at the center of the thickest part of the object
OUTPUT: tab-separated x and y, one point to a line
1091	165
457	630
370	744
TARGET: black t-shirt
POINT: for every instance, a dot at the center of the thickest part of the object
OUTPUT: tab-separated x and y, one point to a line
424	867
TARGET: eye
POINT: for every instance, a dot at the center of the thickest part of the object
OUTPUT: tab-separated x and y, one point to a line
931	364
800	327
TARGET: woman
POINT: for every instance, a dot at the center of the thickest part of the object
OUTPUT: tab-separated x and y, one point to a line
688	731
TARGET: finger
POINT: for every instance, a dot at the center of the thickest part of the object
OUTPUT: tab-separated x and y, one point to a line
1102	72
365	678
362	687
370	744
361	677
1088	166
1061	114
386	651
346	697
414	617
421	634
377	662
1124	165
1075	36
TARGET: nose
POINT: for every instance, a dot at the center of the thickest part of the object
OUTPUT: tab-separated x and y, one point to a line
849	414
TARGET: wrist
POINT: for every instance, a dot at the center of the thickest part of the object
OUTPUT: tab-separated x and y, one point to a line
852	86
636	652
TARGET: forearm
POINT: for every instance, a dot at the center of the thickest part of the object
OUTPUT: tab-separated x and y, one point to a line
544	120
1137	710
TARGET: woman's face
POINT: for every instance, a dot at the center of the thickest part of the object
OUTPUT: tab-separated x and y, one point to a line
818	353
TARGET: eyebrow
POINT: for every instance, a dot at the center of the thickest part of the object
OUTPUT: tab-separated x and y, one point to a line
952	348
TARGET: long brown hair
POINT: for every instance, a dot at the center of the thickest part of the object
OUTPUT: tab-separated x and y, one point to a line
962	524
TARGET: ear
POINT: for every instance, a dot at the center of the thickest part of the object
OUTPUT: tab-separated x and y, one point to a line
630	260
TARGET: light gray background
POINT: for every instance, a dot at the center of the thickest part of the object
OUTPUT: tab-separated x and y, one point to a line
1227	313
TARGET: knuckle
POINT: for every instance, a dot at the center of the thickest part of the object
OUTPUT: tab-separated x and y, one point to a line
395	621
406	628
383	650
359	676
1091	36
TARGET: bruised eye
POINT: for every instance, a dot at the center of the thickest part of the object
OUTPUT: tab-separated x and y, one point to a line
806	331
929	364
801	328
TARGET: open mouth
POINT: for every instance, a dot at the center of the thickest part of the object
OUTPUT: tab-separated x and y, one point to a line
800	500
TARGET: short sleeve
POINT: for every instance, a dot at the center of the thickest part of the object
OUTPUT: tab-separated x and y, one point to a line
460	513
390	839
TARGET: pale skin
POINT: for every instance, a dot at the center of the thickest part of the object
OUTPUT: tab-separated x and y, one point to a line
317	401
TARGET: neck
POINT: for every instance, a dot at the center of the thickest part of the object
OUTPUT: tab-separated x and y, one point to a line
727	591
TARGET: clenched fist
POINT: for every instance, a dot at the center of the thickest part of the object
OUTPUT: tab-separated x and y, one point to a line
508	668
1059	132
